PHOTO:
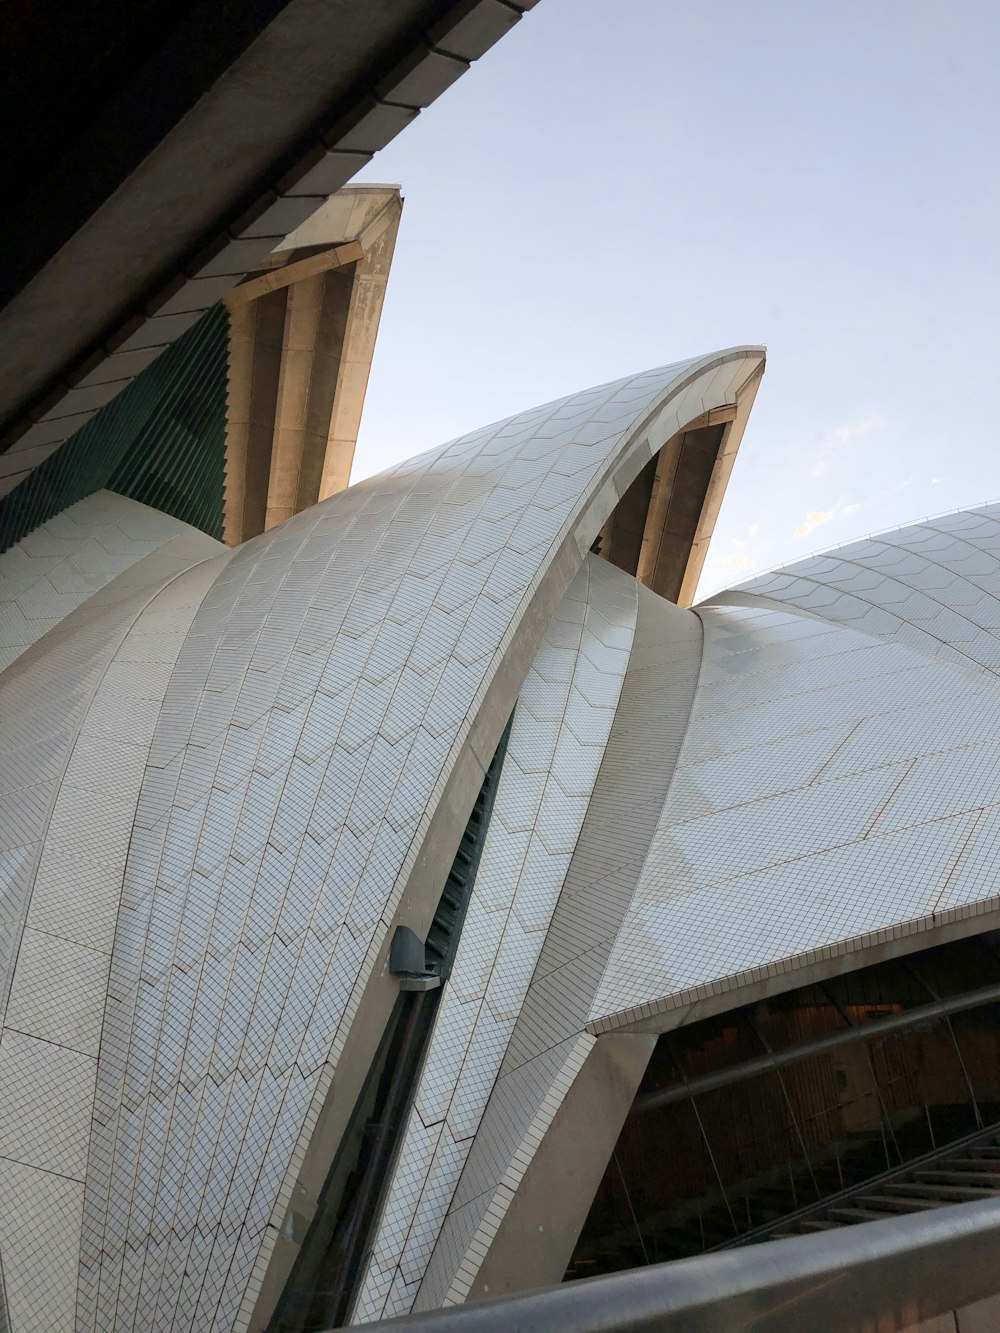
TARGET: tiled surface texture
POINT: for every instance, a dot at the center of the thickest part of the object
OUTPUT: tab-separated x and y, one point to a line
39	1242
548	1043
77	712
837	785
68	559
337	671
804	767
557	741
220	771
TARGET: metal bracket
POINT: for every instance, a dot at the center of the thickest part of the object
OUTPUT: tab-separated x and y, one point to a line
408	960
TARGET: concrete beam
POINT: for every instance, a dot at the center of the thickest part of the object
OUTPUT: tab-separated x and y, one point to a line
301	346
537	1237
663	523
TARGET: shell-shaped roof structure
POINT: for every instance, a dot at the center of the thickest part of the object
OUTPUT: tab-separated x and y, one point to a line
228	776
429	808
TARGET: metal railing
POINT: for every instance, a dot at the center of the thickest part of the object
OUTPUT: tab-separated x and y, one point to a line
777	1059
871	1185
883	1275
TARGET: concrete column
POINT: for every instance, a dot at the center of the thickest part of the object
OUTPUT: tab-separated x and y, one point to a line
537	1236
367	296
255	346
339	288
302	337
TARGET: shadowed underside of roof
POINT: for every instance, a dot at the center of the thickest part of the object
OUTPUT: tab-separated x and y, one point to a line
159	153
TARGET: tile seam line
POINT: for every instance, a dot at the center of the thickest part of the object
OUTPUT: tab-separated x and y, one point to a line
977	819
50	1041
579	631
792	608
974	689
46	1170
532	833
584	1030
169	583
4	1302
814	783
672	388
834	847
928	521
697	610
59	780
252	566
640	858
922	555
920	592
632	433
839	948
578	1046
356	597
909	767
535	975
678	762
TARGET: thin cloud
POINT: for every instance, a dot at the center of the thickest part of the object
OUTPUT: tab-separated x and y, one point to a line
812	521
830	444
878	496
734	563
722	569
815	517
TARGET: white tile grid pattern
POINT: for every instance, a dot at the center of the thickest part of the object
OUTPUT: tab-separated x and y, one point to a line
561	724
44	696
4	1320
39	1242
636	774
837	787
934	586
95	677
312	722
908	778
809	737
524	1105
42	701
64	562
548	1045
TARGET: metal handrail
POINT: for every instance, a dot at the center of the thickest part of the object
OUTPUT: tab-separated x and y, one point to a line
887	1275
771	1060
869	1186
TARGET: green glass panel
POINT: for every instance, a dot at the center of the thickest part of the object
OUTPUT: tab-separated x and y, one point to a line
161	441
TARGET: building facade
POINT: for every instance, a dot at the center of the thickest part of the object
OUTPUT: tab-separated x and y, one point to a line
388	897
408	899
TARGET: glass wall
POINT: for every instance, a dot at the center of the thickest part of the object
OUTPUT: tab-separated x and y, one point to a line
745	1118
161	441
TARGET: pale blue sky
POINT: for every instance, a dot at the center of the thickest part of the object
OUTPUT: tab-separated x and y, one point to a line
623	183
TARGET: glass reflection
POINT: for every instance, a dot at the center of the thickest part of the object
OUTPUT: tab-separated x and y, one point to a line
748	1117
